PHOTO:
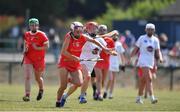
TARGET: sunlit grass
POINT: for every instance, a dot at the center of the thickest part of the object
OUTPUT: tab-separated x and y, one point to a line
124	100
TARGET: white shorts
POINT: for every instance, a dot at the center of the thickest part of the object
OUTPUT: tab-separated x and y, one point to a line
114	68
114	65
89	65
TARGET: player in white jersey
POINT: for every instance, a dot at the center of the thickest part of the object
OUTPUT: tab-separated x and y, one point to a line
89	51
148	47
115	62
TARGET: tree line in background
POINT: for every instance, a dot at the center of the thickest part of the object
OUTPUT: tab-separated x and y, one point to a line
103	11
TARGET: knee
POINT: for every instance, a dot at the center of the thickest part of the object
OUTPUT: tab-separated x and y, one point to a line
149	79
78	84
88	78
27	78
38	78
63	87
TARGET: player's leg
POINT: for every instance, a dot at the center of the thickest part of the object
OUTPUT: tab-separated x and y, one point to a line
63	75
98	73
113	79
40	81
148	74
142	84
27	69
107	86
93	82
77	80
104	77
146	92
84	86
39	70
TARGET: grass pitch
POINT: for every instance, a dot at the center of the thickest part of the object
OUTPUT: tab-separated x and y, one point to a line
124	100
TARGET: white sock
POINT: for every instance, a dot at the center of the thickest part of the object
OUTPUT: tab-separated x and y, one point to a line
110	94
139	97
65	95
152	97
82	95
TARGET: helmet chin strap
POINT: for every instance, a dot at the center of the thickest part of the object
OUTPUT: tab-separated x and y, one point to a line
34	31
92	34
149	35
72	35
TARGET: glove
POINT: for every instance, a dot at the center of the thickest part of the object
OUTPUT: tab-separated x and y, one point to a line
123	68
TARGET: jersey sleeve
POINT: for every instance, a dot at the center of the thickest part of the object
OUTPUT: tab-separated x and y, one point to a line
45	38
138	42
120	48
26	39
157	45
102	41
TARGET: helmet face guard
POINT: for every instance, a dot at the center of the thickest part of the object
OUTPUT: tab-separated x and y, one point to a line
77	29
33	24
91	28
102	29
33	21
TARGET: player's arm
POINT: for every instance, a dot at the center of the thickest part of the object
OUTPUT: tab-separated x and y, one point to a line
133	53
122	66
123	59
158	55
97	43
25	46
65	52
44	47
110	34
107	50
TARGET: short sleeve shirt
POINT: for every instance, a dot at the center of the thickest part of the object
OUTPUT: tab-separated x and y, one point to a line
147	46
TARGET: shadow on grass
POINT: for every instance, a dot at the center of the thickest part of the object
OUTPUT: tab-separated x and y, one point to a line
2	100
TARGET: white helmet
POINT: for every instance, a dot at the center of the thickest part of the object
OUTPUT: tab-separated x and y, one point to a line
91	27
75	25
150	26
102	28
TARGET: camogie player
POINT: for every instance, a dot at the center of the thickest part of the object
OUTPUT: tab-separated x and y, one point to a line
35	45
102	67
148	47
69	62
116	63
90	51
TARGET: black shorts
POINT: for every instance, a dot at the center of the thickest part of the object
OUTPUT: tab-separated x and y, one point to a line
93	74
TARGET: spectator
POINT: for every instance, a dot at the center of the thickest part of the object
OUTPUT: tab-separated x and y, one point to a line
130	40
55	43
163	39
175	54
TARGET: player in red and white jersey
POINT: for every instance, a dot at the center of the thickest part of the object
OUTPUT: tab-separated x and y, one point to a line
36	43
116	63
148	46
69	62
89	51
102	67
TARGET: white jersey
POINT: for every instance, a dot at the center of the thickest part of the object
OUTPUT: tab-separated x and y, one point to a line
91	50
147	46
115	61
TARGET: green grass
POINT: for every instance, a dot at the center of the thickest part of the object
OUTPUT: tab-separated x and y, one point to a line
124	100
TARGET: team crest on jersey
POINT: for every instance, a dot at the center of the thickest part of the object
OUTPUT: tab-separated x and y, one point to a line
150	48
77	44
145	41
95	51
